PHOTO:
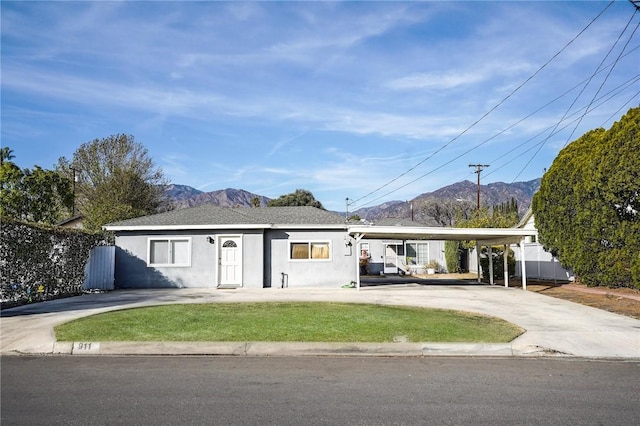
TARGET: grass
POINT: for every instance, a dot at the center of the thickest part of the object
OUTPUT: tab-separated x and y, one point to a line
290	322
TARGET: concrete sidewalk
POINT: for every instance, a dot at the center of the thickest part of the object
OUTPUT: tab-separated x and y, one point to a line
553	327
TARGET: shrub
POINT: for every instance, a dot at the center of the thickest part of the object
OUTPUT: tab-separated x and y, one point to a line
40	263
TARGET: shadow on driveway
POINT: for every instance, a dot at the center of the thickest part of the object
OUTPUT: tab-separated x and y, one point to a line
117	298
391	280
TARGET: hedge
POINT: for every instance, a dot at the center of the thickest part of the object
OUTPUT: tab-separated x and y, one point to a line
40	263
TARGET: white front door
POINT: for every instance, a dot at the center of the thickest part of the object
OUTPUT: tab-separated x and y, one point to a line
390	259
230	260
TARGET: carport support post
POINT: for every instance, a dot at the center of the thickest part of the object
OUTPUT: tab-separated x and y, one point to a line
523	266
505	262
357	238
478	261
490	251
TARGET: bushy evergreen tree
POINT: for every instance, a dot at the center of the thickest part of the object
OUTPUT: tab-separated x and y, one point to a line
587	210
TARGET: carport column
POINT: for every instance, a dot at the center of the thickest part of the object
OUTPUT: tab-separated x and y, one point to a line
490	250
478	260
523	266
357	237
505	256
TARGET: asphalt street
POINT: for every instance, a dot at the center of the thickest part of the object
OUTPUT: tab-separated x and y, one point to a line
162	390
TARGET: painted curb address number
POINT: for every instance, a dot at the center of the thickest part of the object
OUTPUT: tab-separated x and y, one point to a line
86	347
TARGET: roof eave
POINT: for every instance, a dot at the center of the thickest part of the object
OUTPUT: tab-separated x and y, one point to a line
116	228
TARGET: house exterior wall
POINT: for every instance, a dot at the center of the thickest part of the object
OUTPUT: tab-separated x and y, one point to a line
132	270
435	249
339	270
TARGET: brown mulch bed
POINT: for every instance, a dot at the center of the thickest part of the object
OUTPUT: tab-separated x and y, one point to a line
624	301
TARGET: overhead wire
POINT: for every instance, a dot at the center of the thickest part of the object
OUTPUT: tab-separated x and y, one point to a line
472	149
354	202
609	96
494	170
606	77
622	86
582	91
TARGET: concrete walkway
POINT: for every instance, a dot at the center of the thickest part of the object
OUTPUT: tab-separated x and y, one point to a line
553	327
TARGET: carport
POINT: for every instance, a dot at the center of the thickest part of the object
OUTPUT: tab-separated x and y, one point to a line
482	236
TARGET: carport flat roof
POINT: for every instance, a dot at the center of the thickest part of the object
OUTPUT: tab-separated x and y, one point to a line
482	235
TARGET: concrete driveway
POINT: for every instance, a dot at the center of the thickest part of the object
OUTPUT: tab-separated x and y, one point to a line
553	327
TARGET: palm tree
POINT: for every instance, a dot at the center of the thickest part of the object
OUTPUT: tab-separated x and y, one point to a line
6	154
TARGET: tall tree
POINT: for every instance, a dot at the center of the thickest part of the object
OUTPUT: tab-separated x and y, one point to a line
587	210
446	212
116	180
37	195
301	197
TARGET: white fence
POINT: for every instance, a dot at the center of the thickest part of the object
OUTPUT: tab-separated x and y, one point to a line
540	264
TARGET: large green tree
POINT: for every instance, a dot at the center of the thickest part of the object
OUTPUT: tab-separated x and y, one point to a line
33	195
587	208
301	197
116	179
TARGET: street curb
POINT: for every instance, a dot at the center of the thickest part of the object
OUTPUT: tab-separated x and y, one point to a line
301	349
282	349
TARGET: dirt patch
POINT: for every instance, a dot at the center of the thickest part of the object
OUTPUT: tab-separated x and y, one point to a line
624	301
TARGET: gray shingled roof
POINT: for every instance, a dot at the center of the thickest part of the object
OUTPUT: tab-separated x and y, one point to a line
215	215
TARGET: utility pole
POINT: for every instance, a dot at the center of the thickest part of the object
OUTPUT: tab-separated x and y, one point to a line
346	202
479	169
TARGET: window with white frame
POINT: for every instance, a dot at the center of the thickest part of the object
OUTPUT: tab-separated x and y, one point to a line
309	250
417	253
169	252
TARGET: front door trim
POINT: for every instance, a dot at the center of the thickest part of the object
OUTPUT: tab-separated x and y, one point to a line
229	261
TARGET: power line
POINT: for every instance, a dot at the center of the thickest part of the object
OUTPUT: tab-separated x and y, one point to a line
586	111
622	86
484	115
613	93
608	74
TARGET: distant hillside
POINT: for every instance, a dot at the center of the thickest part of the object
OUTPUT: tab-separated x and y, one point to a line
186	196
491	194
181	192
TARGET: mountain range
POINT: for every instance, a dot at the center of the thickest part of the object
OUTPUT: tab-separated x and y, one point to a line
465	192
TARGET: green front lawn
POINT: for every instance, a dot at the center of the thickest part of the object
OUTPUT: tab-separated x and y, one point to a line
288	322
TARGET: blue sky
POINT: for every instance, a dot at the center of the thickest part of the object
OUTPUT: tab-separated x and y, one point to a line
338	98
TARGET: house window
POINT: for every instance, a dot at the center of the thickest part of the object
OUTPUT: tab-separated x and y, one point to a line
169	252
309	250
417	253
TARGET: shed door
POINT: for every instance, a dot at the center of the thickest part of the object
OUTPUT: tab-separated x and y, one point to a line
230	260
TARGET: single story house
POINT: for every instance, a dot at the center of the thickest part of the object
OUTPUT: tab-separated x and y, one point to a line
222	247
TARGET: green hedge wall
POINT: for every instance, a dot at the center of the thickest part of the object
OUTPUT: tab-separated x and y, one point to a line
41	263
